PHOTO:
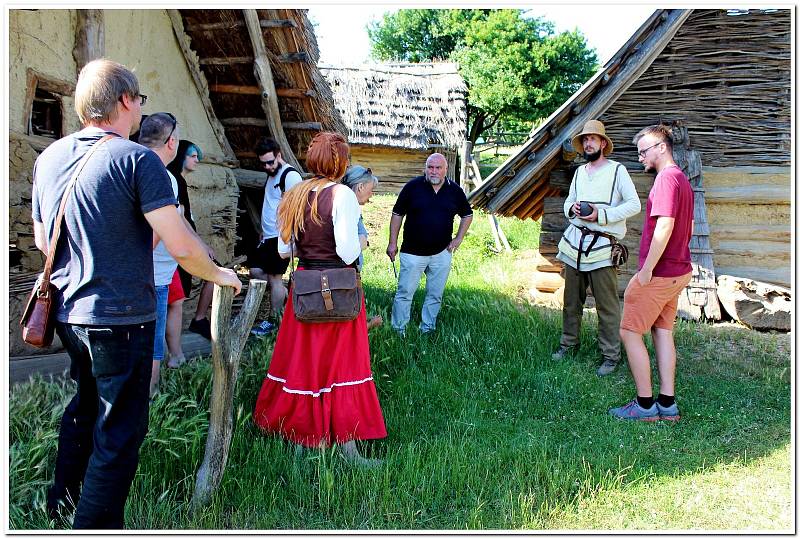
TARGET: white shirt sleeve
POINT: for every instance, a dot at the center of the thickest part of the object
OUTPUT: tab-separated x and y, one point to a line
284	249
292	179
346	213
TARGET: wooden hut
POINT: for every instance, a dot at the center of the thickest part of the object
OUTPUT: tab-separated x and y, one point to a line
724	78
398	114
229	76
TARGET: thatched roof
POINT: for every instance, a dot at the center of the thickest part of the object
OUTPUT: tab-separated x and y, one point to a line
227	56
412	106
724	74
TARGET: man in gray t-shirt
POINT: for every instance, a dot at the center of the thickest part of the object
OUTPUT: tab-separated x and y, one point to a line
105	300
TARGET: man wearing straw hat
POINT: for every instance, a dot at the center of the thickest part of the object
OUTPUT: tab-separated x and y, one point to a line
601	197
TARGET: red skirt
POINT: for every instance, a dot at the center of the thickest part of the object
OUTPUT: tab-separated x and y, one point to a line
319	386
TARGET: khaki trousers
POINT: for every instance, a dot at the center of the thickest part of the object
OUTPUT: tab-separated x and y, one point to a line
604	288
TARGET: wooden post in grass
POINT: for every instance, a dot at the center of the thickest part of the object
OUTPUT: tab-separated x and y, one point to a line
228	338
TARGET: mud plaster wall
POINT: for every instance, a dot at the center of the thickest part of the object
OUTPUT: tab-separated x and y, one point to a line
144	41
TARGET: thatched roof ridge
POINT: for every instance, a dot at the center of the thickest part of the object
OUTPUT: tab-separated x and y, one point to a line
412	106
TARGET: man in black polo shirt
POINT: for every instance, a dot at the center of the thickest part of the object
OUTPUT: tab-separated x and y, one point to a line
429	203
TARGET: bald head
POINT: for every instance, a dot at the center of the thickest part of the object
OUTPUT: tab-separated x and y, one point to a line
435	168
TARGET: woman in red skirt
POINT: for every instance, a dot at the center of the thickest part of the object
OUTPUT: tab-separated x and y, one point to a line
319	388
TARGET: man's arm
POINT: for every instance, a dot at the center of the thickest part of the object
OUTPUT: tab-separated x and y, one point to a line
462	231
661	235
187	249
394	231
39	237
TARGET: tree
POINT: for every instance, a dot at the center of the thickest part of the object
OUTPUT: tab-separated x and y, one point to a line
517	69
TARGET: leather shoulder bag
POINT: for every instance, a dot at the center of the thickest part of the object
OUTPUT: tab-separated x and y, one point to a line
38	319
326	294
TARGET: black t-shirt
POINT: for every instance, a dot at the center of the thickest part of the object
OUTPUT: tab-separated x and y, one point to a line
428	227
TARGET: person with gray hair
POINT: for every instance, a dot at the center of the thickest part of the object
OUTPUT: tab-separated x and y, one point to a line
105	299
429	204
363	182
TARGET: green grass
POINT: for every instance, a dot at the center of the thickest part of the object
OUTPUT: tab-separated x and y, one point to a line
485	431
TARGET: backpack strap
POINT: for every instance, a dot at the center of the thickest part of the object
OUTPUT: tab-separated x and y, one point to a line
282	182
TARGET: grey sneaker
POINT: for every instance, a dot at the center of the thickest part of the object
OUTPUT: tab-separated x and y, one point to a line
563	352
607	367
634	412
668	413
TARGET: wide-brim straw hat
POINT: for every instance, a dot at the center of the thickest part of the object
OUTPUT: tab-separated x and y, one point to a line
593	127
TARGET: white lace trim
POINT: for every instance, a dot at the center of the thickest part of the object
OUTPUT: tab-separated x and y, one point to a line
320	391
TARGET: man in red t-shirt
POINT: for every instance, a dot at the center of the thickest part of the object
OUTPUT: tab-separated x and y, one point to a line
665	268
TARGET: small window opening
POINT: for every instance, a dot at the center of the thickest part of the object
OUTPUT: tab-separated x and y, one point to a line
46	117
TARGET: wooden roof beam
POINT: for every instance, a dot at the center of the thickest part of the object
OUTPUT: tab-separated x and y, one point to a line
230	25
200	82
225	60
269	97
261	122
292	93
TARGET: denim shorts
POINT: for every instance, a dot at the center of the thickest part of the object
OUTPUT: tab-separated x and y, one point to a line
159	346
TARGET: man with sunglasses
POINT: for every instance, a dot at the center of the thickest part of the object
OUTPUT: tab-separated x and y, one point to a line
665	268
265	262
105	297
601	198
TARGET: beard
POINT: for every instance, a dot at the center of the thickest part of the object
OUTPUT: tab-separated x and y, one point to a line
594	156
433	181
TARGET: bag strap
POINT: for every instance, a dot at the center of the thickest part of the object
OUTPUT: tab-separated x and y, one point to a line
282	182
51	251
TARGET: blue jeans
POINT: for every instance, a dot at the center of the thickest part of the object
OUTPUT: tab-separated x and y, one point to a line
105	423
436	269
159	347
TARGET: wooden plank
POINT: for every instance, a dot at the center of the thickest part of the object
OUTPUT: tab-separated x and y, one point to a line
250	178
225	60
269	100
296	93
200	81
90	37
234	89
295	58
244	122
750	194
303	126
210	26
278	23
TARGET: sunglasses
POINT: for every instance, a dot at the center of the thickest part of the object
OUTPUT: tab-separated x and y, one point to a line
268	162
174	125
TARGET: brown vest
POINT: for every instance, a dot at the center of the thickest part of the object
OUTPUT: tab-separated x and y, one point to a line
317	242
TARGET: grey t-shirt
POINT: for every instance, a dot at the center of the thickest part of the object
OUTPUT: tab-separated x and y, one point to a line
163	264
103	268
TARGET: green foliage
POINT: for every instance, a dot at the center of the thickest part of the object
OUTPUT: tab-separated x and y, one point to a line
485	430
517	68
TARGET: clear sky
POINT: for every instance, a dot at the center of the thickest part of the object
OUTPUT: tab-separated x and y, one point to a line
342	35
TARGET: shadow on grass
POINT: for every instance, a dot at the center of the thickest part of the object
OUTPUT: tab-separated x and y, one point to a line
485	430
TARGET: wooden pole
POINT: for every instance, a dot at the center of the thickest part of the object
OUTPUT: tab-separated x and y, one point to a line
269	97
228	338
466	150
90	37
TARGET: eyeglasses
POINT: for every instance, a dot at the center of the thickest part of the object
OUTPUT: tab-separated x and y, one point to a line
268	162
143	101
642	153
174	125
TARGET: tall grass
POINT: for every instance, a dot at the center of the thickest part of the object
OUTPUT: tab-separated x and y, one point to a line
485	431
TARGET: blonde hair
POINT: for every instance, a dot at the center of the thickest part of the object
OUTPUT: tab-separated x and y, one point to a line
327	157
659	131
100	85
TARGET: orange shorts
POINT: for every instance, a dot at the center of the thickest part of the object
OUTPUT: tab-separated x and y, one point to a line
652	305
